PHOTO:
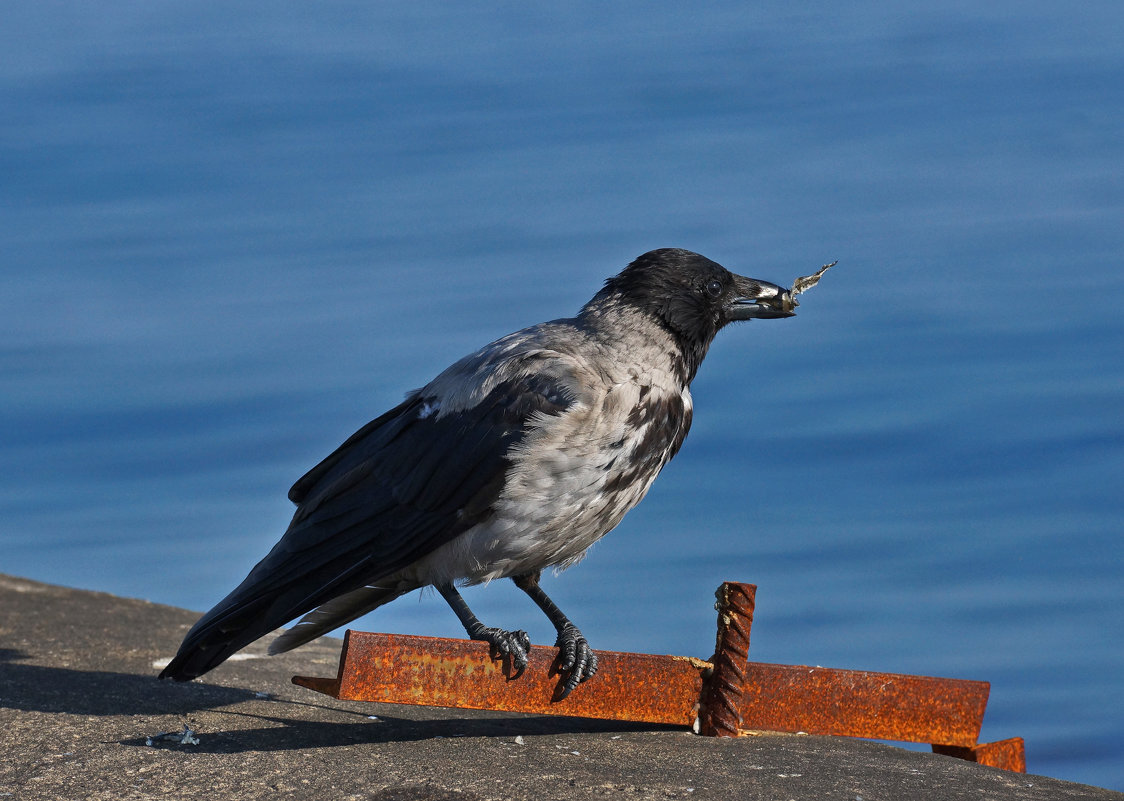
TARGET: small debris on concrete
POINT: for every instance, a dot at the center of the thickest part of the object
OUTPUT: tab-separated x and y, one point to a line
185	737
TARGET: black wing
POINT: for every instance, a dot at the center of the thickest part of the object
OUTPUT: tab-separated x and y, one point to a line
400	487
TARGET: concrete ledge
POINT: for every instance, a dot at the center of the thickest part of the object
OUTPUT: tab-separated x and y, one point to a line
79	697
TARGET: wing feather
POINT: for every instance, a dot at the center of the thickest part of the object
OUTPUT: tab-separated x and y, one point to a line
400	487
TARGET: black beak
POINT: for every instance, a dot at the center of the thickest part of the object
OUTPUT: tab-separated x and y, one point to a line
760	300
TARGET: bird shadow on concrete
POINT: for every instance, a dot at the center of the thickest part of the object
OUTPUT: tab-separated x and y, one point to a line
288	734
37	688
284	724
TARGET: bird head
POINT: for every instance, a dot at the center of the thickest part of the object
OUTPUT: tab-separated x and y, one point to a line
692	297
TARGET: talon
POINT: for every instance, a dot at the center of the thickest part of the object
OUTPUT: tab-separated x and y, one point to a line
591	668
567	688
513	644
579	666
575	658
568	655
519	654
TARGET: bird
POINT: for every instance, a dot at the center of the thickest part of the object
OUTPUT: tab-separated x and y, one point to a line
515	459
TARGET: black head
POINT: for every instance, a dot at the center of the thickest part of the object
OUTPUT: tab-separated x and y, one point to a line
692	297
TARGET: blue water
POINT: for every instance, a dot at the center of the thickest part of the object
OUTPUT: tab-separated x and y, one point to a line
231	233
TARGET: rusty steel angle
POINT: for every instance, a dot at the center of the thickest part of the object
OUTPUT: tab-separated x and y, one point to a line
725	696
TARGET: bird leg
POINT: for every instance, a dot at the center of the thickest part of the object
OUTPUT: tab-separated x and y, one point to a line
513	644
575	657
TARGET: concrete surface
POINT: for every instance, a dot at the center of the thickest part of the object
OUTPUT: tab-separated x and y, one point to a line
79	698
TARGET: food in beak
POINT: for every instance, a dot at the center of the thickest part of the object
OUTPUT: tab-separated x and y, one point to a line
802	284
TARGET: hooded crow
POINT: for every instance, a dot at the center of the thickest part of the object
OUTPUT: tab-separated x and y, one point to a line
516	458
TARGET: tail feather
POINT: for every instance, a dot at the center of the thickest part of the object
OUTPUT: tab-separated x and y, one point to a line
334	614
252	611
218	635
256	607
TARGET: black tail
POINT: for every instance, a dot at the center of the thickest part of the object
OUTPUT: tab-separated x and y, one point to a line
227	628
276	591
367	511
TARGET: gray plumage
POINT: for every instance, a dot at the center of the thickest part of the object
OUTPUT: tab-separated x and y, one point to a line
516	458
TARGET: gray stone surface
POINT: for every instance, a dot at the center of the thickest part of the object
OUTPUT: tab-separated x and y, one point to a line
79	697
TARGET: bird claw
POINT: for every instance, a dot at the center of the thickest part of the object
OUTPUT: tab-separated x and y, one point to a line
575	658
512	644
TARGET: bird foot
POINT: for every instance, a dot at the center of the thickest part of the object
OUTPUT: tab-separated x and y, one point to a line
575	658
508	644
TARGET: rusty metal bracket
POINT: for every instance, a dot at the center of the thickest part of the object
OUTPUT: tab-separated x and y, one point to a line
725	696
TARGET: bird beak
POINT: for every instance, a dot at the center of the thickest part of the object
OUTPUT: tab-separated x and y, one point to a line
760	300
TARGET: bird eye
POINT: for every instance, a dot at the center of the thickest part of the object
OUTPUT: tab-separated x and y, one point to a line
714	288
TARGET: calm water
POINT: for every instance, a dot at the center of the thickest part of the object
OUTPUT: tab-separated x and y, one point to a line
231	236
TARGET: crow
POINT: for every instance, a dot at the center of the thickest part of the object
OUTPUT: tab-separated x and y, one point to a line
516	458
